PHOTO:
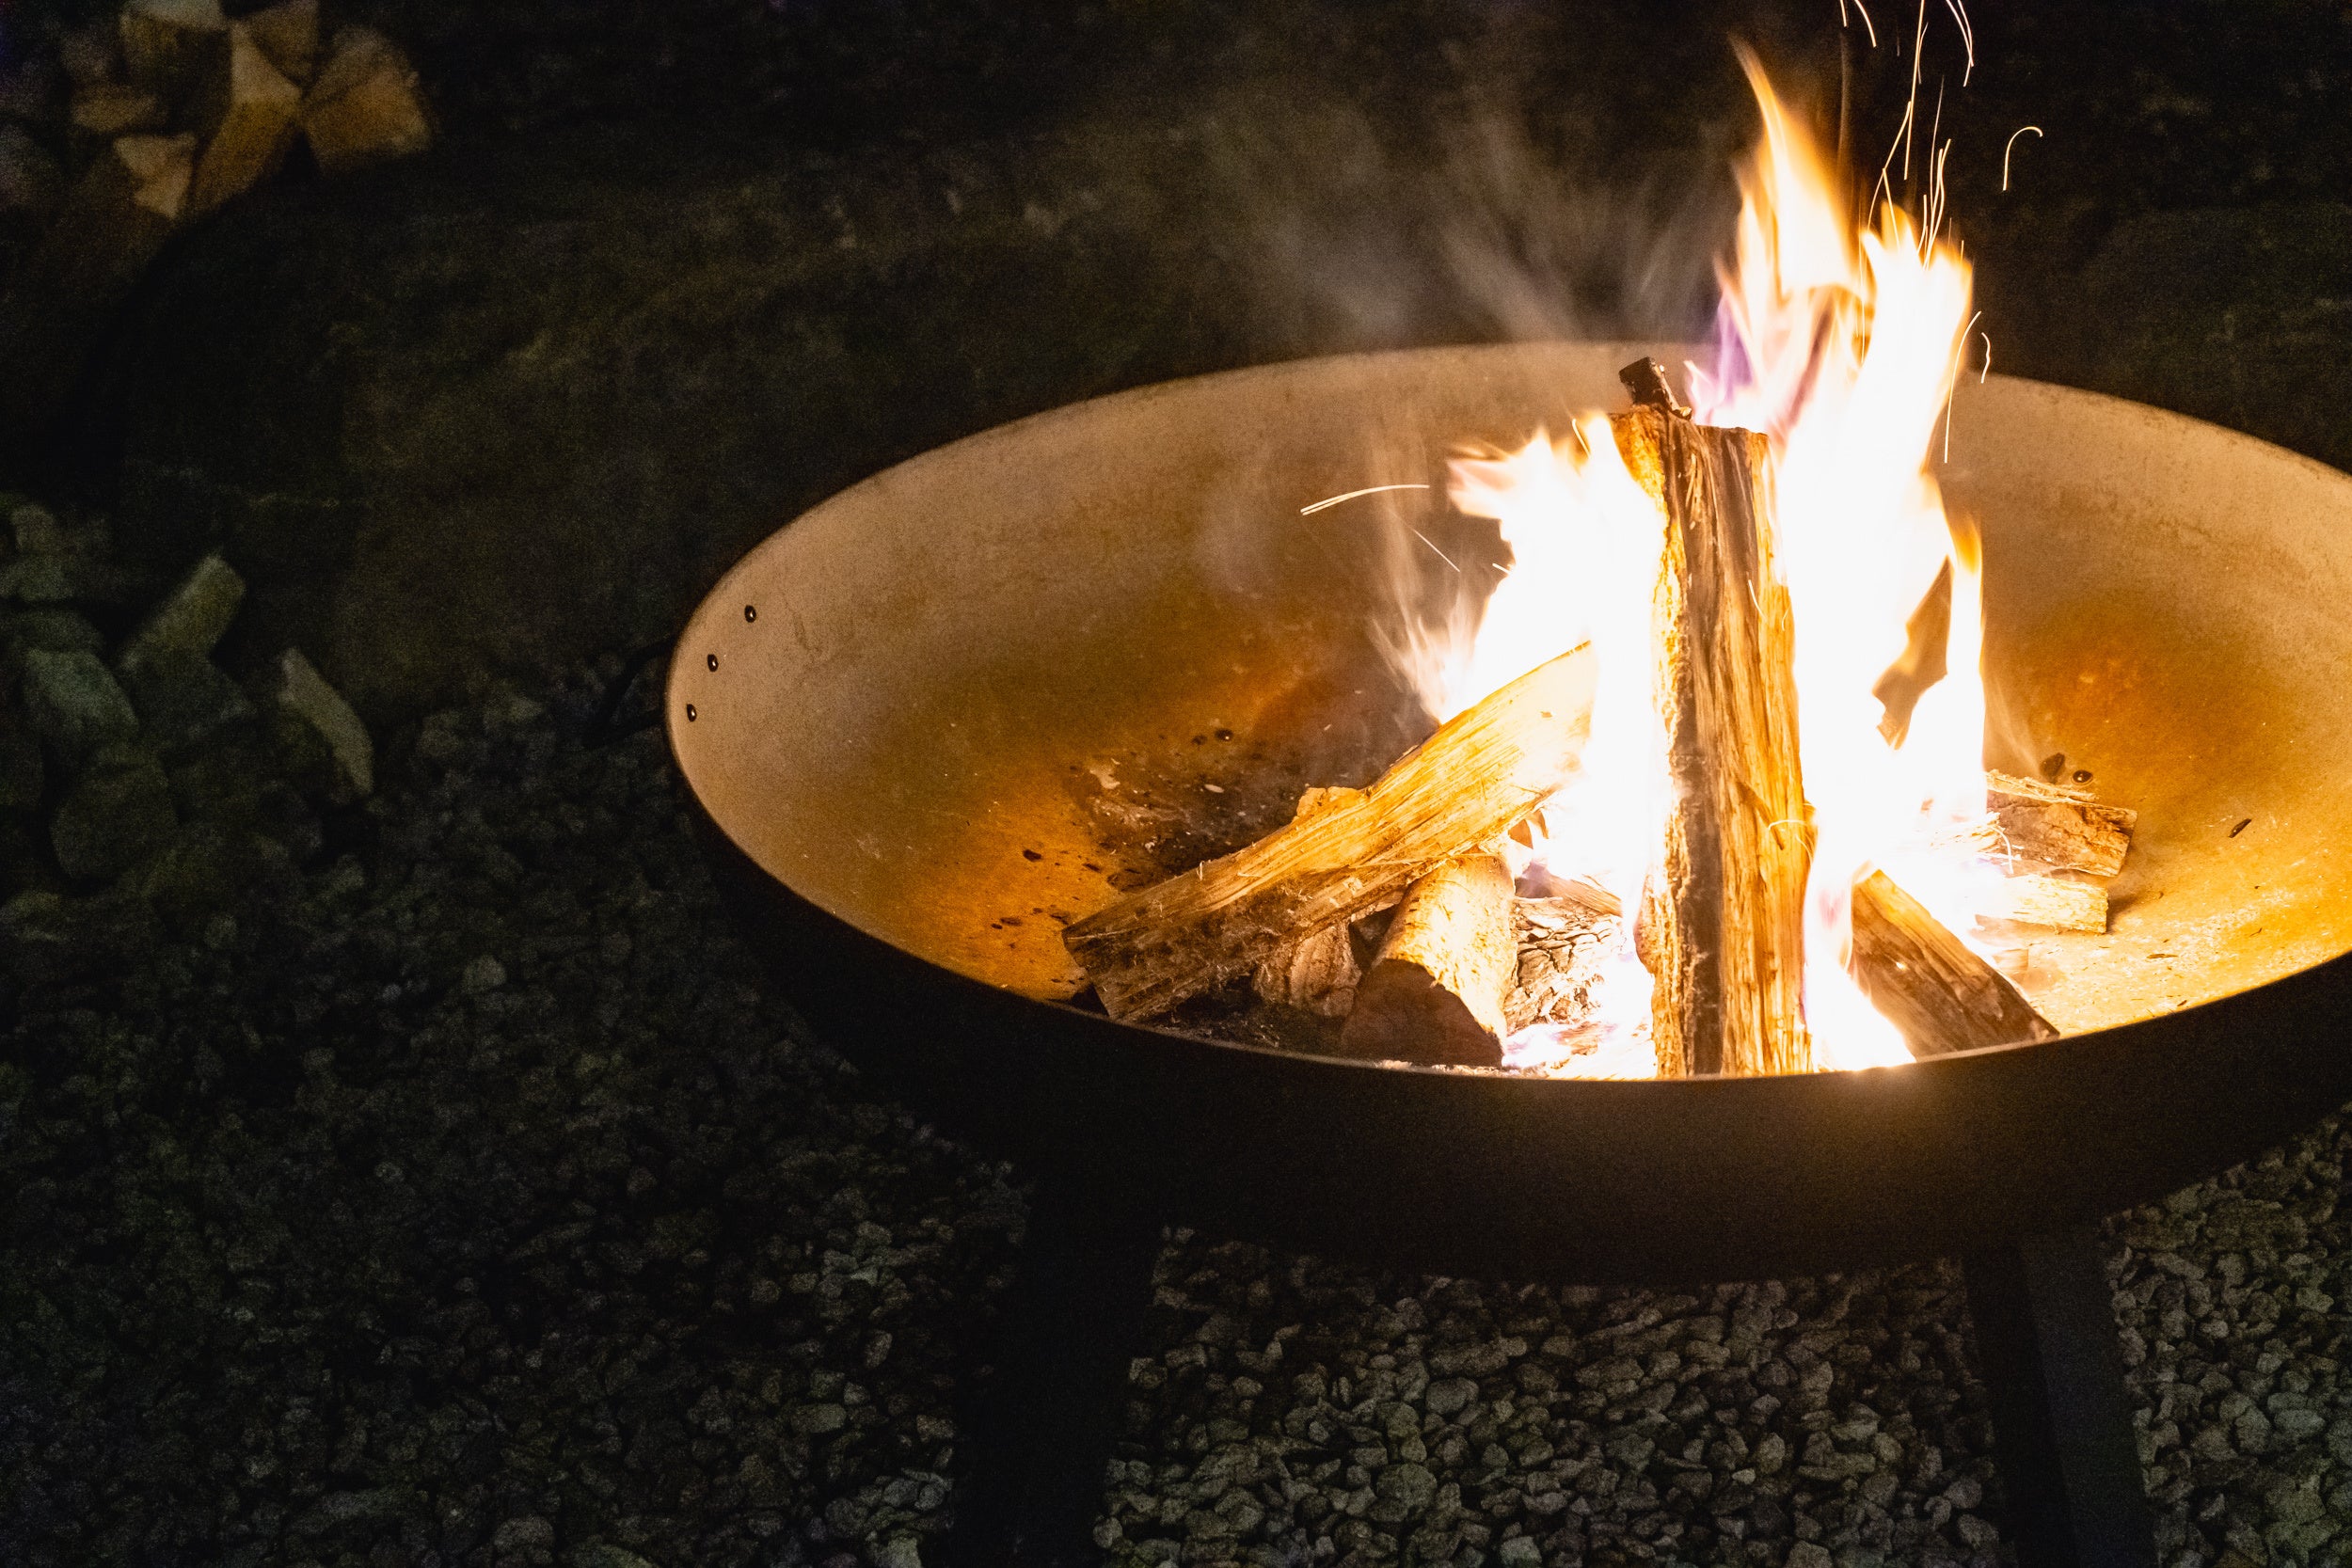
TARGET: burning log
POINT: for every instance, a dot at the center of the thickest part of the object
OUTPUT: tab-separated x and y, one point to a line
1723	925
1940	994
1482	772
1435	993
2058	826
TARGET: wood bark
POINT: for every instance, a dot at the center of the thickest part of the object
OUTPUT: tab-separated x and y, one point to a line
246	114
1482	772
1723	925
364	107
1932	987
2058	826
1435	993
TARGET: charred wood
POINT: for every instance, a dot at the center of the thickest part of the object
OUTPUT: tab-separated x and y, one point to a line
1318	973
1562	942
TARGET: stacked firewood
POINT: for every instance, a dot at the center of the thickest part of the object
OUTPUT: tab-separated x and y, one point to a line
178	108
1422	860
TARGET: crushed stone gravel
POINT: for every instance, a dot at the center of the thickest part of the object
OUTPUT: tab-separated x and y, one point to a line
471	1206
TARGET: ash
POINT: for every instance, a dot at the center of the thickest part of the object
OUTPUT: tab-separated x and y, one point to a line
467	1205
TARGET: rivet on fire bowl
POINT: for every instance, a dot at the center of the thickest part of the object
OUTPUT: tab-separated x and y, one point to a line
711	659
751	612
689	713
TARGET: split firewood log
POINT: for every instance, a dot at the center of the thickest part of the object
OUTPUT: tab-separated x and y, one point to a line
109	109
1482	772
1928	983
364	106
246	114
1562	942
288	33
1723	925
170	46
1318	973
2062	903
117	216
1435	993
2058	826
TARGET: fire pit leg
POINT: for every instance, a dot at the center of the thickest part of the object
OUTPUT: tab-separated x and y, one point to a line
2062	1426
1043	1432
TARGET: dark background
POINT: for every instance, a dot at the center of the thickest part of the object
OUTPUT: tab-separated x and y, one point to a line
677	271
461	1200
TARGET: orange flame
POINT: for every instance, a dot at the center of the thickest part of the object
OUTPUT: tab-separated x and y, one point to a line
1839	340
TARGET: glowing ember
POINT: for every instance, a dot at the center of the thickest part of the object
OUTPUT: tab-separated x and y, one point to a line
1839	340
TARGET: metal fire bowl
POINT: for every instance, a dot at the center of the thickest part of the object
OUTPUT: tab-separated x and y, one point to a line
966	700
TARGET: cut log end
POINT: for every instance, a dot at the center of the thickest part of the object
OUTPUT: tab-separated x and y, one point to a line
1316	974
1404	1014
1435	993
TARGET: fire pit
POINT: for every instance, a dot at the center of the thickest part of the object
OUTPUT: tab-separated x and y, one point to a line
896	710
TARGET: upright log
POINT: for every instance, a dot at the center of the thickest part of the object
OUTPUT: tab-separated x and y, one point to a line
1723	923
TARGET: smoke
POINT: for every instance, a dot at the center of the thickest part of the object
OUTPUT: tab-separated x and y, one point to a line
1349	228
1488	222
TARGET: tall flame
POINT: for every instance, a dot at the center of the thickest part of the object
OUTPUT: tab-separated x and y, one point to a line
1839	340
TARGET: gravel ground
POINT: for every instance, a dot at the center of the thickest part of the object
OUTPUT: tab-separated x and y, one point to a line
466	1204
